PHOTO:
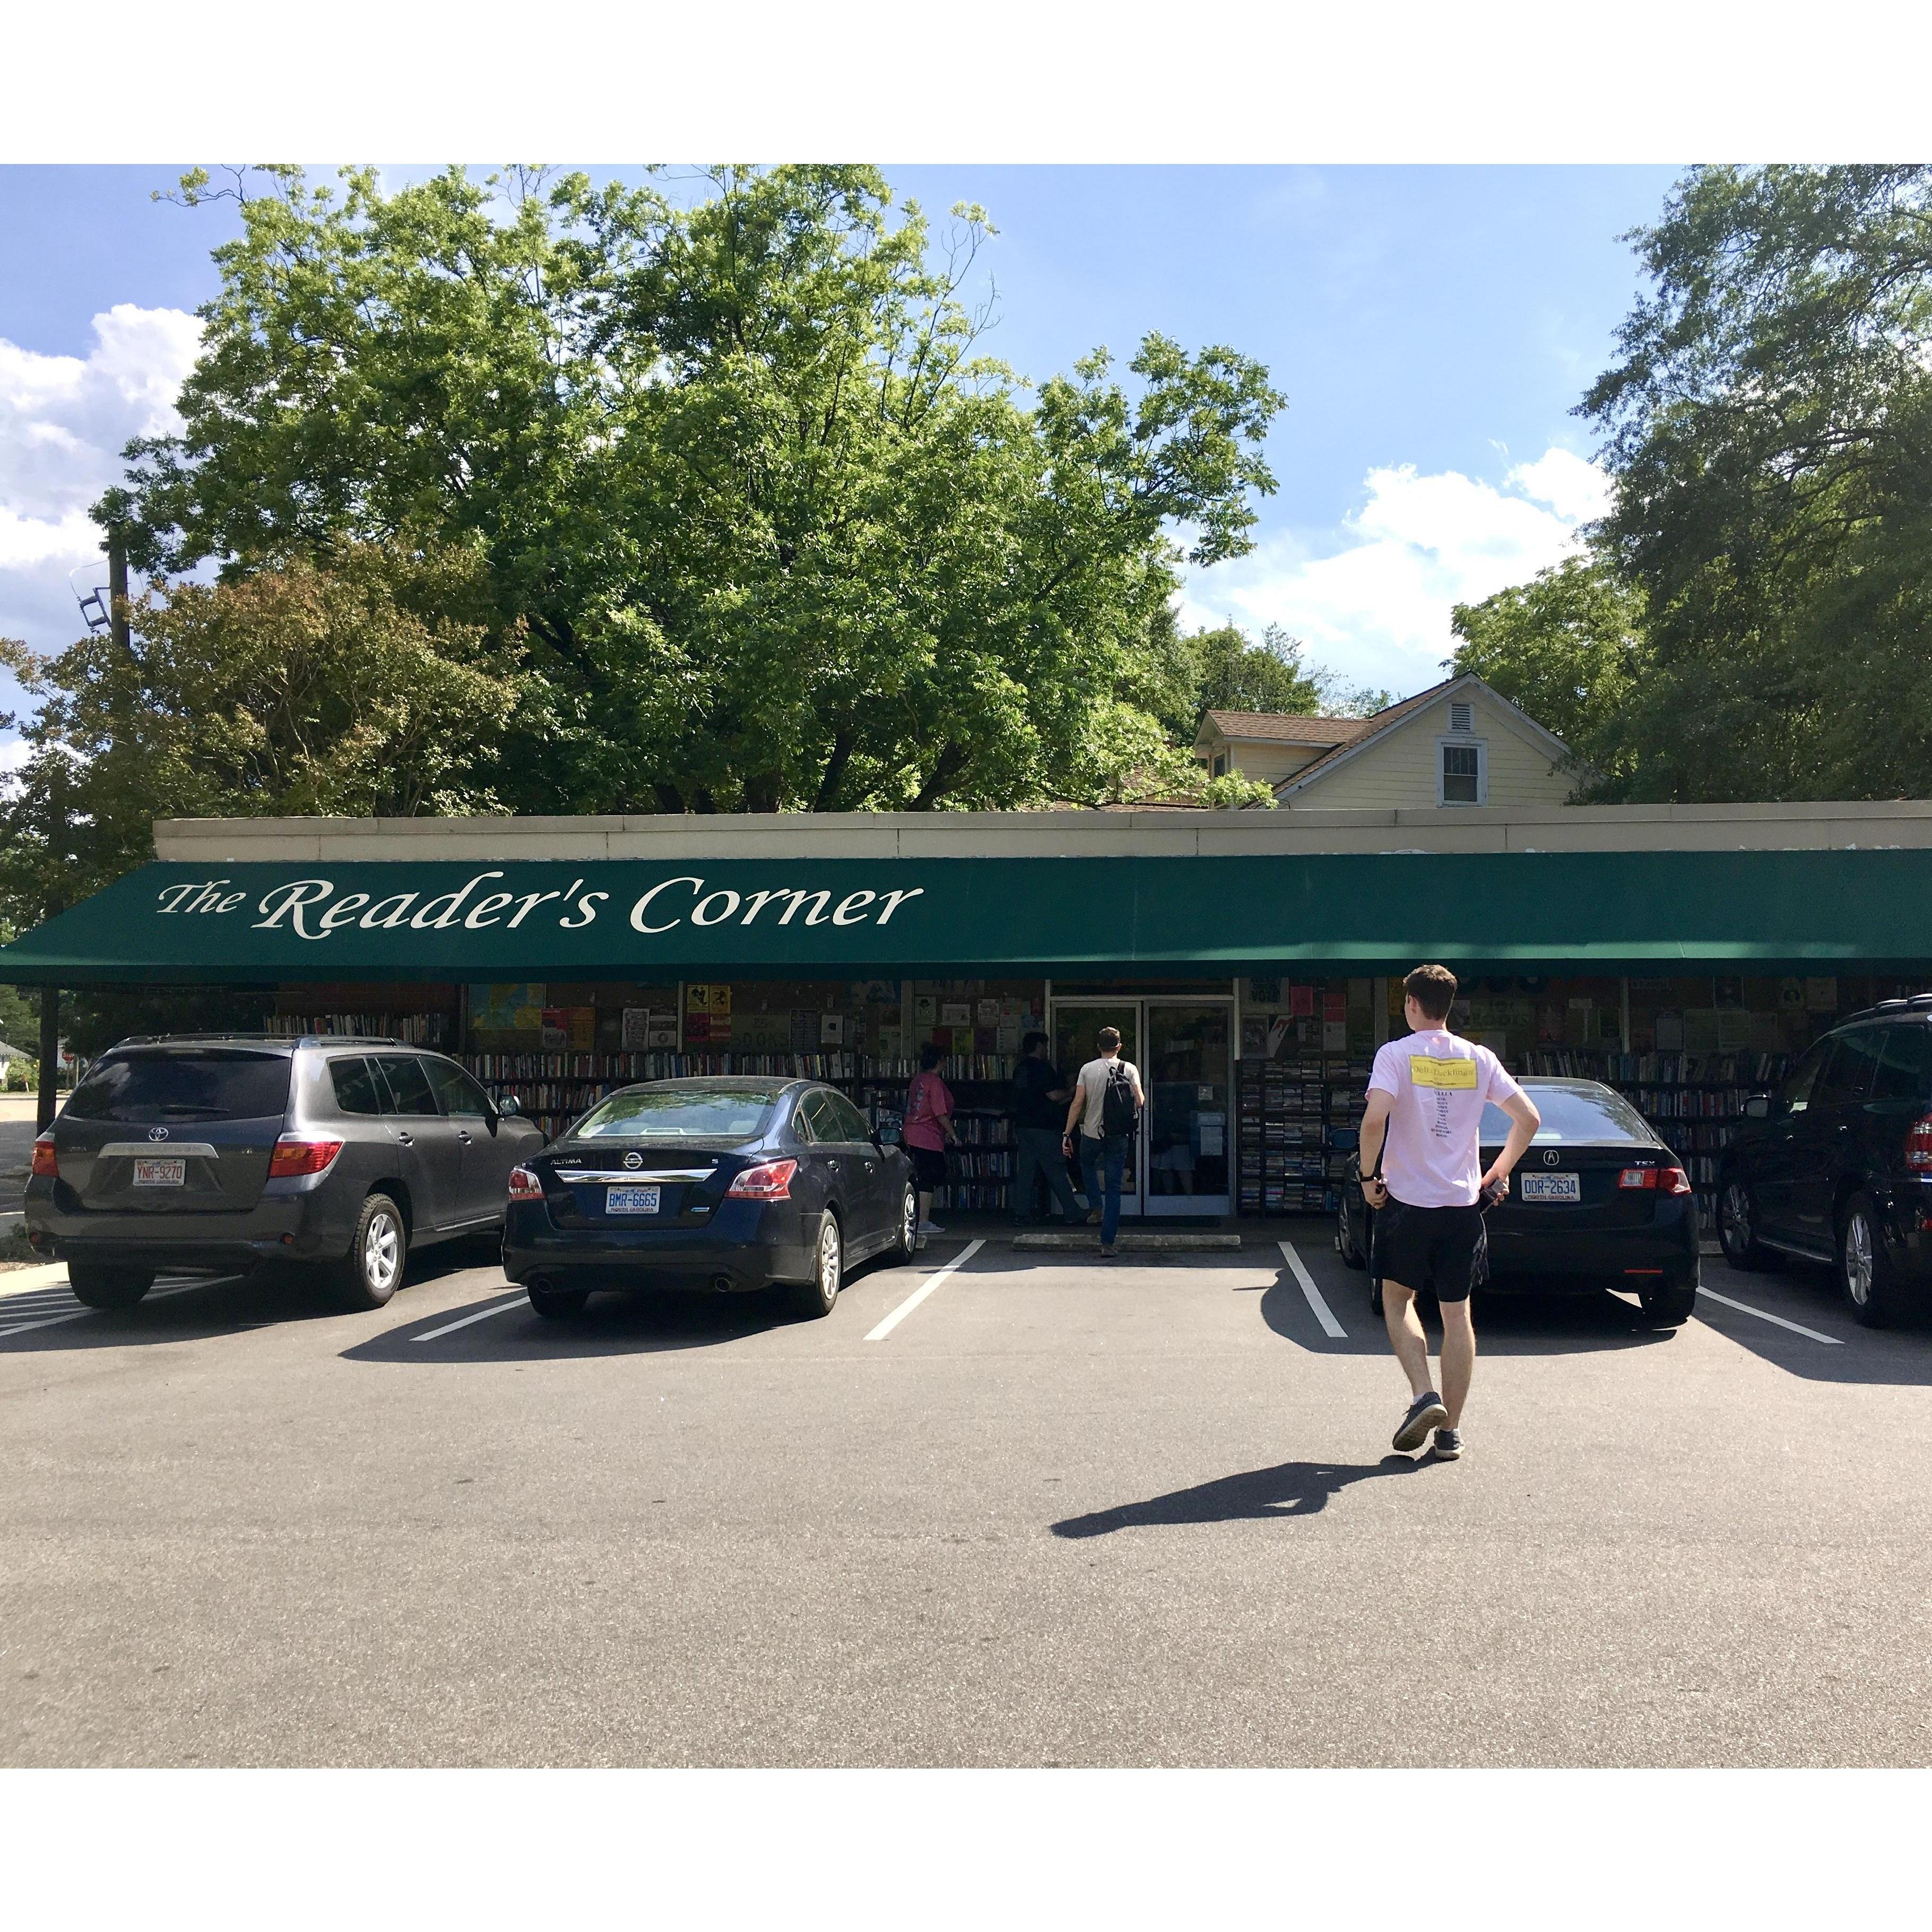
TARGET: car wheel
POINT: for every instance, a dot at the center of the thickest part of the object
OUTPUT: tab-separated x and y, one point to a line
376	1253
1864	1271
1738	1224
96	1287
815	1297
1345	1244
558	1304
1669	1304
1375	1297
906	1243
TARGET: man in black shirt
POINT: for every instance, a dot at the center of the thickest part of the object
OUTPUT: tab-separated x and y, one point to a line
1039	1098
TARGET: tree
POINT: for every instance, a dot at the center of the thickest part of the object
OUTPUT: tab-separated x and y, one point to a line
1570	647
1234	674
1770	432
777	535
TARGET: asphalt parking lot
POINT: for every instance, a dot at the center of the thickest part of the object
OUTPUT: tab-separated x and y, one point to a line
1058	1512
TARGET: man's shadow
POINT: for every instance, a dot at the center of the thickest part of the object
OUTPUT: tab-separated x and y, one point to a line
1287	1489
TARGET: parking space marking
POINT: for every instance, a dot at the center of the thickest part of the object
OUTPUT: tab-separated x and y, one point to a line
1324	1313
75	1314
924	1289
519	1300
1764	1315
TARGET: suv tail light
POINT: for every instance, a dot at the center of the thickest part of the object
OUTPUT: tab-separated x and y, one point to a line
294	1157
46	1162
524	1186
770	1180
1918	1146
1664	1179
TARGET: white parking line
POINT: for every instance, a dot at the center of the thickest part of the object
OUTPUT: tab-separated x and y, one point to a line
1324	1313
924	1289
519	1300
74	1315
1763	1314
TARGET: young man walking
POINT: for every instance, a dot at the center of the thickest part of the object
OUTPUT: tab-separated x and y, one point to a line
1107	1101
1038	1093
1421	1153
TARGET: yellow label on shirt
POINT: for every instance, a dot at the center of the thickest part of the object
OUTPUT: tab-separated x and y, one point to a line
1427	1071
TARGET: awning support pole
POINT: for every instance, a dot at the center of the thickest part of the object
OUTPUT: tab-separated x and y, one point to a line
1623	1012
44	1106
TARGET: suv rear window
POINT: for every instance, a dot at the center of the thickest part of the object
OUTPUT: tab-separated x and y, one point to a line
200	1083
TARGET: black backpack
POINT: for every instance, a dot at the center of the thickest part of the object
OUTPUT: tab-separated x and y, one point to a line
1117	1102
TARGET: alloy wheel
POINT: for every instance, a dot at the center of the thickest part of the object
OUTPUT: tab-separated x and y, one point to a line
1737	1221
828	1261
909	1222
380	1246
1858	1260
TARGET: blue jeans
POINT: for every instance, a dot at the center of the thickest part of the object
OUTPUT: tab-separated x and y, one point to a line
1109	1150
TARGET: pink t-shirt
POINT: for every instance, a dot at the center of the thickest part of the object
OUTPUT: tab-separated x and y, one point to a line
928	1100
1438	1086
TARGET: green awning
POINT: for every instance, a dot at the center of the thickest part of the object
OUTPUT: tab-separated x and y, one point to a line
638	919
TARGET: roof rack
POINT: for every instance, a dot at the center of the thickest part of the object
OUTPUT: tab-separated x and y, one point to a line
240	1039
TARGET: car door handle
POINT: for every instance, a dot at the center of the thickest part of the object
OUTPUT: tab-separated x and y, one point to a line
462	1134
408	1140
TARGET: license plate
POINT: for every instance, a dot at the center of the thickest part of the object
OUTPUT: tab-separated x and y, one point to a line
1551	1187
632	1200
160	1173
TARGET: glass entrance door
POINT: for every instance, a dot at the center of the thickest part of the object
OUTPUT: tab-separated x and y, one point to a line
1073	1025
1188	1071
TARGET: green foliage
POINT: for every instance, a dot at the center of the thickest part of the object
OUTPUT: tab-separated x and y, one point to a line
775	535
1770	424
1232	792
1569	647
1233	674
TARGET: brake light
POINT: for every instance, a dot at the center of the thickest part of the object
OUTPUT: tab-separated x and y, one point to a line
293	1157
770	1180
46	1162
1664	1179
1918	1146
524	1186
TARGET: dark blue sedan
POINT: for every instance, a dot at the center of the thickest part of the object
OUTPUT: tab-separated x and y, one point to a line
731	1184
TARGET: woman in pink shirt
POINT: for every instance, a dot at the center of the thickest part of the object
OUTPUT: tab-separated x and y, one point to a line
927	1131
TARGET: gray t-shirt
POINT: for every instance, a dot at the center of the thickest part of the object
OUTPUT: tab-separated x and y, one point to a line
1093	1085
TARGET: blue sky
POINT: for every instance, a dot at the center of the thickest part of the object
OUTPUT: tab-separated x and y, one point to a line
1433	328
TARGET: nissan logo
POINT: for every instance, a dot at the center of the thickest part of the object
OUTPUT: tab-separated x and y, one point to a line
633	1158
157	1133
1551	1157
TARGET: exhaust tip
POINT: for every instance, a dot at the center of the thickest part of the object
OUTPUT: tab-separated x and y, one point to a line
721	1284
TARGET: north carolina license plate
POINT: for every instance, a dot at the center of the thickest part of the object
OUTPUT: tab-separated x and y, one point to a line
1551	1187
632	1200
160	1173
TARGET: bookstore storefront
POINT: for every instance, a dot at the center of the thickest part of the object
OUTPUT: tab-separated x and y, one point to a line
1251	972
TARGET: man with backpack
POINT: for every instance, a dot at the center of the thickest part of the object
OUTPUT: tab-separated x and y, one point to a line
1107	1101
1421	1156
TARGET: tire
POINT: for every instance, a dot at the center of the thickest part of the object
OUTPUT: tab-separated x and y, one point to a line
559	1304
1352	1257
1670	1306
814	1299
1738	1223
906	1243
95	1286
1866	1277
378	1252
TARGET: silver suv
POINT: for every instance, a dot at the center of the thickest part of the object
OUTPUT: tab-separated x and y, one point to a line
225	1153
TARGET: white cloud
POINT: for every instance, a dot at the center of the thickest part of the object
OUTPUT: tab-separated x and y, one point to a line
1371	597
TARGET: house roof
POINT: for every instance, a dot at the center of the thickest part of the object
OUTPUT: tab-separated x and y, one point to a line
1282	727
1395	715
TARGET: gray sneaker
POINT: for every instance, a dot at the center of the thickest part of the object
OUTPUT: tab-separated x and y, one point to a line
1448	1444
1425	1413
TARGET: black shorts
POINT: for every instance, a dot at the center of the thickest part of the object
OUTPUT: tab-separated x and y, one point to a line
929	1167
1440	1249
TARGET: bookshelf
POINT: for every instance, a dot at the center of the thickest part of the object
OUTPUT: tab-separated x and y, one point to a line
1287	1112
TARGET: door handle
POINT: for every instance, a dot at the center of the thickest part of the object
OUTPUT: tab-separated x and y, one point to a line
408	1140
462	1135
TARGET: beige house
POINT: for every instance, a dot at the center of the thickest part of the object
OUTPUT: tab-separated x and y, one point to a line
1458	743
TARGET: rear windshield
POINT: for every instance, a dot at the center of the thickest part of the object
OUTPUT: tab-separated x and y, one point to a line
203	1084
1580	1116
678	1113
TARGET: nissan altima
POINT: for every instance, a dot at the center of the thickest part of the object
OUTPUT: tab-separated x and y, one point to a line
734	1184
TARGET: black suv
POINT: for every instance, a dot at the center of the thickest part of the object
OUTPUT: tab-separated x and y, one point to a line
1837	1165
228	1152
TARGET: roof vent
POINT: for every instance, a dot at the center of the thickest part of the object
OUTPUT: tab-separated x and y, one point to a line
1462	718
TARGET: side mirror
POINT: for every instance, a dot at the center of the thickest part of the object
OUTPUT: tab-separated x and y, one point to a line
1345	1140
510	1107
1757	1107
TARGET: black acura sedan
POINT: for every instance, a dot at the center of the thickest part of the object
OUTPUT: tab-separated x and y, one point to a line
1598	1200
731	1184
